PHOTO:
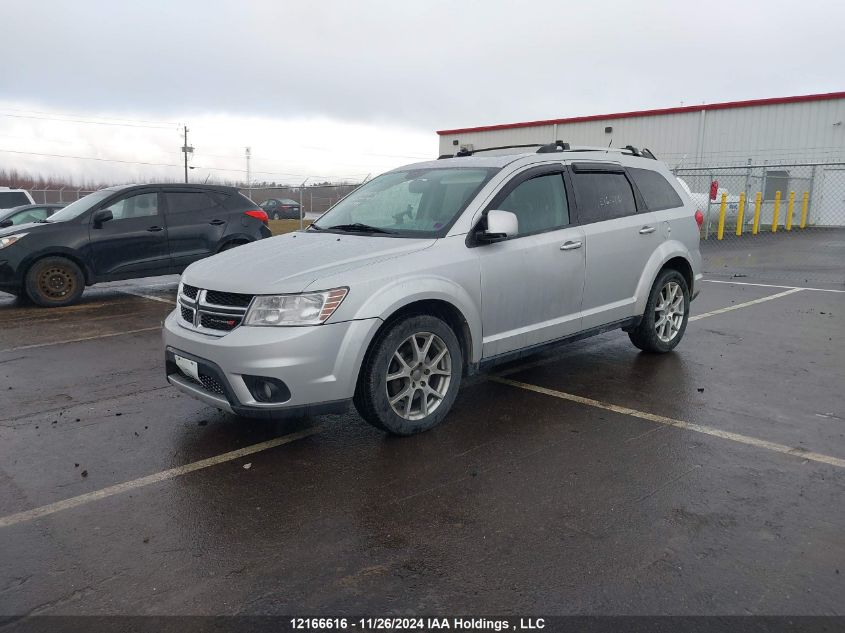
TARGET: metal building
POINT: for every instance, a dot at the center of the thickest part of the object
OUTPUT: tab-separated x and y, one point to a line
807	128
784	144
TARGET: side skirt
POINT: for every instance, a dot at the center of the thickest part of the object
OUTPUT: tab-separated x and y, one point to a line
487	364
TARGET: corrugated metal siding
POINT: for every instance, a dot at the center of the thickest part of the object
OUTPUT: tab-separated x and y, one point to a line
792	132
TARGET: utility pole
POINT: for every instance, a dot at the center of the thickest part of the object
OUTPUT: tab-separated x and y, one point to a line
248	174
186	149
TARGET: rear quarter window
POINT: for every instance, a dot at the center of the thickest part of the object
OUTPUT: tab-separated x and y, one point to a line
656	191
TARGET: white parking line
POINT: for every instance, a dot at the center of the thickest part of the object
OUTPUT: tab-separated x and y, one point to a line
689	426
150	297
745	305
747	283
79	340
88	497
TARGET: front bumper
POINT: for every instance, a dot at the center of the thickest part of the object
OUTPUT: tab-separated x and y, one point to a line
318	364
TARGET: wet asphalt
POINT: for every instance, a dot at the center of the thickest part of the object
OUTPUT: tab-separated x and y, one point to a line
522	502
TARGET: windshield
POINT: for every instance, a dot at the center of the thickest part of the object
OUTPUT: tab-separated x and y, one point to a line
75	209
412	203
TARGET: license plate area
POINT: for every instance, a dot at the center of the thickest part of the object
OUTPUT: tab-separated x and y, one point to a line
187	367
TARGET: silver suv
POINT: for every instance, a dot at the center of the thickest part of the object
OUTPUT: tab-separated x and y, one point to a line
434	271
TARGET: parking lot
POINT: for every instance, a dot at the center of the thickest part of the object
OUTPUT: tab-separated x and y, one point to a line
593	480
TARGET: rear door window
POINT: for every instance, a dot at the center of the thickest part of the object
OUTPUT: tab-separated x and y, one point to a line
9	199
656	191
189	201
603	196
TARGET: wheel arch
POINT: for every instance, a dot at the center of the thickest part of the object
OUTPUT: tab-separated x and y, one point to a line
673	255
438	307
87	272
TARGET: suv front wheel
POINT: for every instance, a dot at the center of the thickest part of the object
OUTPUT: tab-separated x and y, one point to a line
666	314
411	376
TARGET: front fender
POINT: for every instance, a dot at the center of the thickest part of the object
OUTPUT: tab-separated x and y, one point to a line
666	251
395	295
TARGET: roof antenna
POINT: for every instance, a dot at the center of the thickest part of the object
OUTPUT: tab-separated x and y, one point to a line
608	145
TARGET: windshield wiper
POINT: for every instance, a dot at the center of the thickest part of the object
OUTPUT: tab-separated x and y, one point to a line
314	227
357	227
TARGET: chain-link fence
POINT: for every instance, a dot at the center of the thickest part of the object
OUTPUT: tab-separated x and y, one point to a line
315	199
780	221
58	196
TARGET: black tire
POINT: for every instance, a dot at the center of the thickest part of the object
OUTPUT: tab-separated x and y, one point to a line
645	335
54	282
371	394
275	215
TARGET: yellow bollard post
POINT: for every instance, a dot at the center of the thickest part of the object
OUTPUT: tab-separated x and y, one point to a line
804	209
720	232
756	226
740	214
776	213
789	209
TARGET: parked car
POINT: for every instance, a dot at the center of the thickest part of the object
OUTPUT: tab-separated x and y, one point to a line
27	213
281	209
14	197
434	271
122	233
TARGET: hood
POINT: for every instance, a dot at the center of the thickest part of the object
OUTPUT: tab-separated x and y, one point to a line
290	263
21	228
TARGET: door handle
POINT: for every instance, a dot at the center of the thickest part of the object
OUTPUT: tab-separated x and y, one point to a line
647	229
155	229
571	246
217	222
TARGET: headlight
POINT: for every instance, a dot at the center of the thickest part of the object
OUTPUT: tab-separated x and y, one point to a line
10	239
310	308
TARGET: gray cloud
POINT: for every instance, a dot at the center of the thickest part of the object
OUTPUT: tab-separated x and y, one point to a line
423	64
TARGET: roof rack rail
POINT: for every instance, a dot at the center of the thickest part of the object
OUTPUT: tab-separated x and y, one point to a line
469	152
557	146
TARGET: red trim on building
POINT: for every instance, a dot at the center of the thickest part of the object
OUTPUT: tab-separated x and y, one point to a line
640	113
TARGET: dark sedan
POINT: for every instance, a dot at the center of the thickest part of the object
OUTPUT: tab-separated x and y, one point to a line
281	208
27	213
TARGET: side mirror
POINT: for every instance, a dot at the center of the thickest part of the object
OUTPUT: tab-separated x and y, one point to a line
500	226
101	216
6	224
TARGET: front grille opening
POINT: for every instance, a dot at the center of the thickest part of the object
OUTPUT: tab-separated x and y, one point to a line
210	383
232	299
219	322
190	291
187	314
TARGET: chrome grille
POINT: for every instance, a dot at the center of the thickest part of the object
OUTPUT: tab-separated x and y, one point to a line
211	311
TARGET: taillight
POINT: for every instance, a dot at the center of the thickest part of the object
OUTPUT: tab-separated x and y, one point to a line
258	214
699	218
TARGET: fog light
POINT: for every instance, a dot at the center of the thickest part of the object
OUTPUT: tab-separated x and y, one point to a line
265	389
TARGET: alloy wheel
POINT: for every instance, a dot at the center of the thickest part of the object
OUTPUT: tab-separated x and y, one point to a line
418	376
669	312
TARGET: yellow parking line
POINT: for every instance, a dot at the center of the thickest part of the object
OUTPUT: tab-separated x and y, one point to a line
689	426
126	486
745	305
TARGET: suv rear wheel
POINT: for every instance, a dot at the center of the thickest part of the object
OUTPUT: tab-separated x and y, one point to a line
53	282
666	314
411	376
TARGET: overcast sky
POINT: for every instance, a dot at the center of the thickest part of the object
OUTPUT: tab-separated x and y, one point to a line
343	89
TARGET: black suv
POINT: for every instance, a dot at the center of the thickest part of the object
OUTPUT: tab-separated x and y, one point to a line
122	233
